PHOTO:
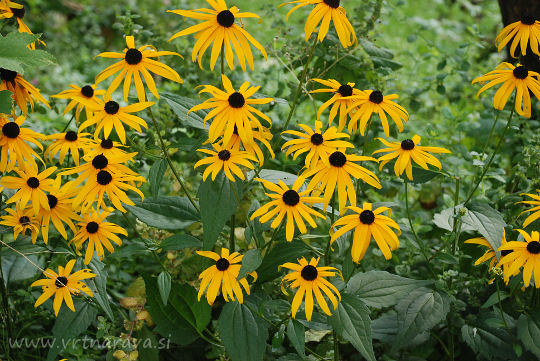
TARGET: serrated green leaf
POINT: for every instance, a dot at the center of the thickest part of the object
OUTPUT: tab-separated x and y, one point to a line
16	56
490	342
180	241
181	106
147	345
98	284
528	328
155	176
275	175
170	212
164	286
488	221
16	268
6	102
296	333
284	252
250	262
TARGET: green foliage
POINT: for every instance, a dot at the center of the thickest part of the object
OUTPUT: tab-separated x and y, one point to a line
166	212
6	101
19	57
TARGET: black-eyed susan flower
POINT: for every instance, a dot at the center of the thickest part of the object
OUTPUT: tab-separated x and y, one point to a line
311	282
324	12
338	172
535	201
106	146
318	144
406	152
16	152
520	79
21	220
99	233
367	224
87	92
12	10
69	141
232	110
31	187
226	159
290	204
523	32
223	275
262	135
136	62
23	91
62	285
108	114
220	28
341	101
371	102
524	254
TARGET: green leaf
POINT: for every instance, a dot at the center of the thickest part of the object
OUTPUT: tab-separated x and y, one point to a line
528	328
16	268
250	262
385	329
255	229
493	299
421	175
147	345
19	56
284	252
351	321
164	286
181	105
489	342
180	241
156	175
98	284
6	102
244	334
382	289
165	212
486	220
296	333
275	175
213	196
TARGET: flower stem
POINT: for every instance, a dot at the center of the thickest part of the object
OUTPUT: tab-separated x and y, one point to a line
327	252
231	239
336	346
501	309
491	133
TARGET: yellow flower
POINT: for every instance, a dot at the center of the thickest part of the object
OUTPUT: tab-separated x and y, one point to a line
535	201
87	92
524	254
262	135
406	152
15	150
368	223
223	275
137	61
10	9
288	203
324	12
23	91
62	285
310	281
69	141
21	220
219	28
104	146
524	32
226	159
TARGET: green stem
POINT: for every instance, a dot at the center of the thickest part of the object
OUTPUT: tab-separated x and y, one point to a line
336	346
269	243
491	133
457	219
231	239
68	123
327	252
222	59
501	309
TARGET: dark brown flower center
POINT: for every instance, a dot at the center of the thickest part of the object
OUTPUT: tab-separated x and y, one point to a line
106	143
235	131
53	201
334	4
506	252
317	139
224	155
527	19
87	91
337	159
376	97
8	75
61	282
11	130
70	136
92	227
291	197
236	100
133	56
533	247
407	144
345	90
24	220
225	18
111	107
222	264
309	273
19	13
33	182
104	177
521	72
100	161
367	217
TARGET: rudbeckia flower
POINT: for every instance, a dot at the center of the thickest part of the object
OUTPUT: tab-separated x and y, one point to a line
87	92
317	143
223	275
406	152
512	78
104	146
535	201
10	9
311	281
338	172
232	110
109	114
324	12
136	62
62	285
23	91
226	159
21	220
31	186
524	254
219	27
98	233
13	142
371	102
340	101
69	141
524	32
262	135
289	203
367	224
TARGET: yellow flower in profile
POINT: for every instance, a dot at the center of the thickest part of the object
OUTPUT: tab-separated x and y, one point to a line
31	187
23	91
232	110
523	32
105	146
318	144
341	100
535	201
367	224
219	27
10	9
136	62
324	12
87	92
21	220
223	275
69	141
524	254
371	102
518	78
62	285
406	152
109	114
311	281
289	203
262	135
13	142
99	233
226	159
338	172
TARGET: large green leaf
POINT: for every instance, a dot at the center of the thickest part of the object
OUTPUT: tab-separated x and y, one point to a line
385	329
351	321
181	105
15	55
382	289
98	284
284	252
243	333
487	341
164	286
6	102
180	241
528	328
296	332
165	212
255	229
148	346
156	176
250	262
17	268
275	175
